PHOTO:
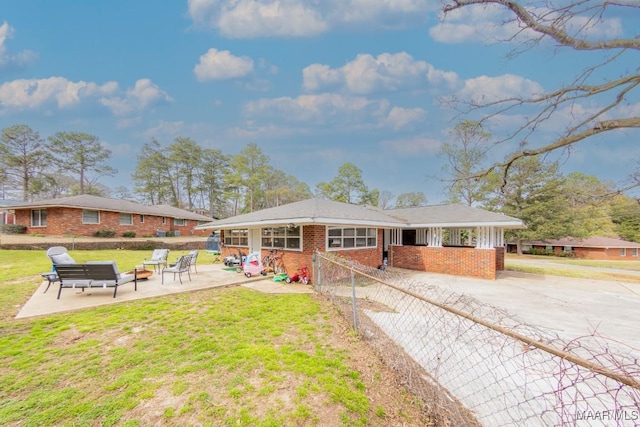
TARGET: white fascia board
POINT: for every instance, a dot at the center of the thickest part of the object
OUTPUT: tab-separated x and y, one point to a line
503	224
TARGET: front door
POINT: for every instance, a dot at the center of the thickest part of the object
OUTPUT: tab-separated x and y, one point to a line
255	240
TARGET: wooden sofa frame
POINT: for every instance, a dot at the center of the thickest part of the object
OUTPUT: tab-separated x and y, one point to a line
93	275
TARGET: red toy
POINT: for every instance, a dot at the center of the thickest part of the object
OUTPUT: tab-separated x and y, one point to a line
300	276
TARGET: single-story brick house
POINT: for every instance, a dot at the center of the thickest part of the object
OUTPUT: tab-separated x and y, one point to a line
7	216
452	239
596	247
85	214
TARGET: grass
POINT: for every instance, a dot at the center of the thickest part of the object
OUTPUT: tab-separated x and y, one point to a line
562	266
221	357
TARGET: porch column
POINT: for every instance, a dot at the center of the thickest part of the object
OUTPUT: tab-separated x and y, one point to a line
434	237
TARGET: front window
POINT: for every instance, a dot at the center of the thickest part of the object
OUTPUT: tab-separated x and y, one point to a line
39	218
289	237
236	237
90	217
623	252
141	218
351	238
179	221
126	219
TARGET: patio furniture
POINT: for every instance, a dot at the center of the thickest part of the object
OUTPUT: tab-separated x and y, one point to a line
95	274
194	258
182	265
58	255
158	258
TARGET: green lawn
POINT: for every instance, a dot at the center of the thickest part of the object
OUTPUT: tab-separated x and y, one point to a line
221	357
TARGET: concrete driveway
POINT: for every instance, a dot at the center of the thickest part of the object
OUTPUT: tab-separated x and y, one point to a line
569	307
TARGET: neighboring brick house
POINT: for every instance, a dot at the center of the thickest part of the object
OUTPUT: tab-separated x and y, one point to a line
451	239
597	247
86	214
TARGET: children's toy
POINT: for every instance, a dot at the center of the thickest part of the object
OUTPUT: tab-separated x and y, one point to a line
234	260
253	265
280	277
301	276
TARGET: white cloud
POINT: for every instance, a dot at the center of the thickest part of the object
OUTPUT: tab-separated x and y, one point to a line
31	94
485	89
251	19
303	18
402	117
222	65
319	109
7	60
143	95
386	72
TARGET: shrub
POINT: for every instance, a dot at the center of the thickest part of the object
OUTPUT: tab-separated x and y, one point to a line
13	228
170	233
130	234
104	233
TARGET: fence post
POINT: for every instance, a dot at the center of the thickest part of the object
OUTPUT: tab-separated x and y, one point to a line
317	274
353	298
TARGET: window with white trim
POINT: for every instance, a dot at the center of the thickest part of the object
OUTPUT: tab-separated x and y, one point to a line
126	219
634	252
351	237
623	251
141	218
236	237
90	217
39	218
282	238
179	221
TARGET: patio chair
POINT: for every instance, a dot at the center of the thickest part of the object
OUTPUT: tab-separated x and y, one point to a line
158	258
194	258
181	266
57	255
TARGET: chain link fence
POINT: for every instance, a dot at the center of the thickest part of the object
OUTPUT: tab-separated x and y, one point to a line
470	363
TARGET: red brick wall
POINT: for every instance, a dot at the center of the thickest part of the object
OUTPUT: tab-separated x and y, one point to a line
314	238
458	261
68	221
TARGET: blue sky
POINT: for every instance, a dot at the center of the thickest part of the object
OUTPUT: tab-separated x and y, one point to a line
313	83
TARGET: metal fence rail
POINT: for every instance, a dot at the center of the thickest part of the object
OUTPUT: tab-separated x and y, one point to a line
471	363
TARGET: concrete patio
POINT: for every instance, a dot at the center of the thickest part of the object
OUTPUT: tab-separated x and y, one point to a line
208	276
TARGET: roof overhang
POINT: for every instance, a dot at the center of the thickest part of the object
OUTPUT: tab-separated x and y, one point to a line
298	221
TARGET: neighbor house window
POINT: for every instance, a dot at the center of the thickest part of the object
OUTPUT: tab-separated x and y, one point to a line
236	237
179	221
39	218
351	237
90	217
634	252
623	251
567	249
126	219
282	237
164	219
141	218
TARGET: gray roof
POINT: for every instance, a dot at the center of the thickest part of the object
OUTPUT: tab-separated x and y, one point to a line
87	201
453	215
328	212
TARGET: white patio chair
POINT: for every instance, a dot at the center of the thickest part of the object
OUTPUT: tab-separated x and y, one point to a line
158	258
